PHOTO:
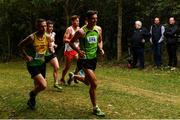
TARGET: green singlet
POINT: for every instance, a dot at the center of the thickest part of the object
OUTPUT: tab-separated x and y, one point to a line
89	43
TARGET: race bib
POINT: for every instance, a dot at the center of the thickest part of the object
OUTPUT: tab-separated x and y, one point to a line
92	39
39	57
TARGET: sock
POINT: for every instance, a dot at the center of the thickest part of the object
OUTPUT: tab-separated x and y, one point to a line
73	76
56	82
32	94
94	108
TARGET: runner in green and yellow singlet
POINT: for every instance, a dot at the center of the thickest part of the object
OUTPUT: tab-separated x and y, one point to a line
34	48
90	38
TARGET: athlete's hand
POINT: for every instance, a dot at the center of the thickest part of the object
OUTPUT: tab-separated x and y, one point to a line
55	45
151	41
67	41
28	58
143	41
101	51
81	54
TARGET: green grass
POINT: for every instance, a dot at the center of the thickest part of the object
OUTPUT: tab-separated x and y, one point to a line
121	93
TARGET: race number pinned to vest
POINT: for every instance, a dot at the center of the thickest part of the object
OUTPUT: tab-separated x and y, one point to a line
92	39
39	57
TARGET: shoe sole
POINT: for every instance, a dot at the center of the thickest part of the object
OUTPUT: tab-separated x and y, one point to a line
30	106
58	88
99	115
75	81
70	79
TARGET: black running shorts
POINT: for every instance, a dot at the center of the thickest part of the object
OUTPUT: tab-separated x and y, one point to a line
50	57
87	64
35	70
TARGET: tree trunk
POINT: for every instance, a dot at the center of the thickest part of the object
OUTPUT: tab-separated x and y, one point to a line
119	34
9	46
66	10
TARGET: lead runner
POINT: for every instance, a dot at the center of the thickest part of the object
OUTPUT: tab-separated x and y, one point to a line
90	39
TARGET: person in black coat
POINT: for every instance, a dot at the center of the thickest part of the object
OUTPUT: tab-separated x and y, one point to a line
171	36
137	41
157	32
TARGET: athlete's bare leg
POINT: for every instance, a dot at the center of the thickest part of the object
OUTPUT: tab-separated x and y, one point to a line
39	85
68	63
90	78
54	62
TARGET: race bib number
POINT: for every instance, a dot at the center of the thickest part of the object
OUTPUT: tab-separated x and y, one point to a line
39	57
92	39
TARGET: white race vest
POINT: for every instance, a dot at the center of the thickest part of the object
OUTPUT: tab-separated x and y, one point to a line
67	46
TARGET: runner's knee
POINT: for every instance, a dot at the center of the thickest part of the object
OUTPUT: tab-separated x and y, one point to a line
93	84
67	66
43	86
56	68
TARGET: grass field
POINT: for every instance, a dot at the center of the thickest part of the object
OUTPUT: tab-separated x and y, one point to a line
122	94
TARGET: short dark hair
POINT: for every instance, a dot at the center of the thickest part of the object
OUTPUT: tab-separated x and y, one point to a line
157	17
74	17
91	13
50	22
40	20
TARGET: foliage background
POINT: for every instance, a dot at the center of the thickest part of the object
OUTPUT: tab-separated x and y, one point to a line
17	19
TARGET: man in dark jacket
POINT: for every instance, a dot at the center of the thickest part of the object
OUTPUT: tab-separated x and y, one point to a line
171	36
157	32
138	37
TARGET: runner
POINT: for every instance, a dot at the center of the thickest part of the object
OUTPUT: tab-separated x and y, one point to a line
33	49
90	39
50	56
69	53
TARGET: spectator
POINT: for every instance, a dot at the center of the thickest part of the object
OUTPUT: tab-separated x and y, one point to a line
138	37
171	36
157	32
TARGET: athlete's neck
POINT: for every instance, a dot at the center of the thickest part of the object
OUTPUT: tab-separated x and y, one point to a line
74	27
49	32
90	27
39	34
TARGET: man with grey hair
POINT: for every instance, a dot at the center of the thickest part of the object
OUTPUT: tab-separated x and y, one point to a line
137	40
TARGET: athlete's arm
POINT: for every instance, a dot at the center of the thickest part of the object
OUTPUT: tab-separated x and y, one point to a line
50	43
100	41
51	40
23	44
67	36
78	35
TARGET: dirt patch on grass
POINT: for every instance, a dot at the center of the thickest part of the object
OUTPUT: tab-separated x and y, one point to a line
154	96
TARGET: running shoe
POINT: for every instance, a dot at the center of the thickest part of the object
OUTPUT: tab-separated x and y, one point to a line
173	68
81	73
62	82
75	81
32	101
57	86
71	78
97	111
